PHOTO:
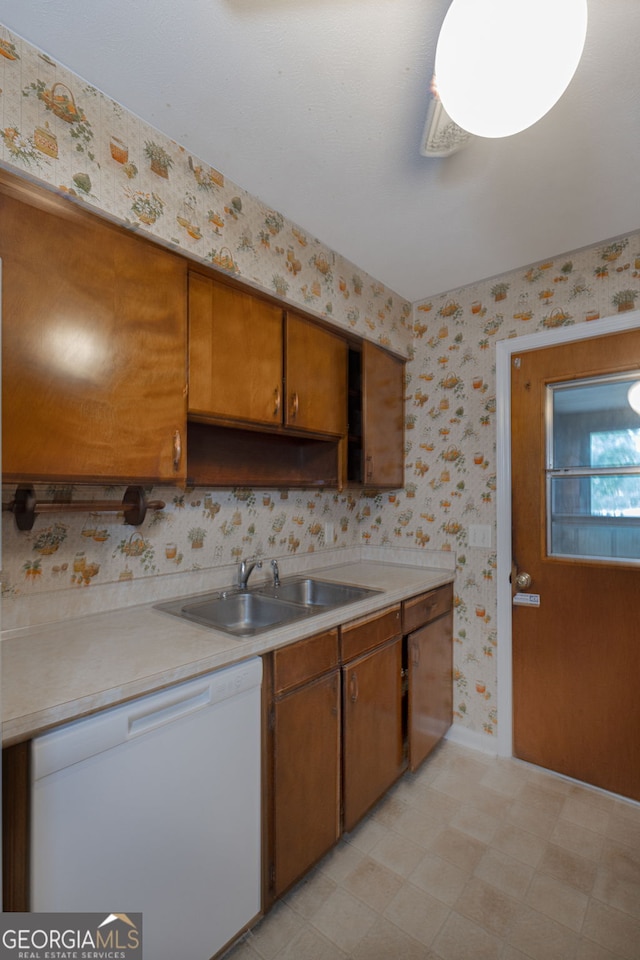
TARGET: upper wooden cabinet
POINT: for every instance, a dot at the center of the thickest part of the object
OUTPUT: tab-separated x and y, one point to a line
93	348
235	354
376	417
248	364
316	378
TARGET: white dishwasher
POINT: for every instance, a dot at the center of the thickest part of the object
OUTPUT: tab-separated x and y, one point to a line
154	807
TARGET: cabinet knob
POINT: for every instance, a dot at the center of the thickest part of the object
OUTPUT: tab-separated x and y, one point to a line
177	450
295	403
353	686
277	397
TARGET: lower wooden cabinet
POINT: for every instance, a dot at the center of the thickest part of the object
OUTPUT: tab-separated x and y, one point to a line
16	827
347	711
372	728
303	762
430	704
306	778
429	668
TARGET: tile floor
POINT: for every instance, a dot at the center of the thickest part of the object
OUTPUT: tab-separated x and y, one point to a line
472	858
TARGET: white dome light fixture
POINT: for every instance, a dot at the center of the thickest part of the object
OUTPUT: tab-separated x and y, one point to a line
633	396
502	64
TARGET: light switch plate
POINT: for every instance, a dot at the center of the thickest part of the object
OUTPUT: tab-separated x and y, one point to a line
480	535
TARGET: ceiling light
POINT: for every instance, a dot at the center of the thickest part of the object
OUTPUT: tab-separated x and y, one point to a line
502	64
633	396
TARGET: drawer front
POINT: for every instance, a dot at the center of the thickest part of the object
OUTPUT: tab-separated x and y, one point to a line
362	635
304	661
427	607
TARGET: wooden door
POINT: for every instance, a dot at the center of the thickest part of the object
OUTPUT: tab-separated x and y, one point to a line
316	378
306	778
383	417
93	348
235	354
430	705
372	729
576	655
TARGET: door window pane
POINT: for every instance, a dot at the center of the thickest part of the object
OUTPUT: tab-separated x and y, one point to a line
615	448
615	496
585	417
593	469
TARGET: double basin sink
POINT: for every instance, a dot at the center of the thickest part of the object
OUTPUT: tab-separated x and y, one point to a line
245	613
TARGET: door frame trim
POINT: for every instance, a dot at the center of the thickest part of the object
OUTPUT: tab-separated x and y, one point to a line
504	351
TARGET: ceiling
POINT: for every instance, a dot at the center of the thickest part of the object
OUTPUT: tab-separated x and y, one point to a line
317	107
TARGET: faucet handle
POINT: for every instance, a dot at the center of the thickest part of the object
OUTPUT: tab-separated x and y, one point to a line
244	570
276	573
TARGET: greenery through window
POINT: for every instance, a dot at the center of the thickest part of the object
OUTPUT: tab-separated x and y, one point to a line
615	496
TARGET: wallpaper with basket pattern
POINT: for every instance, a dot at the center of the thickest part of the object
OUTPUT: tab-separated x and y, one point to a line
59	130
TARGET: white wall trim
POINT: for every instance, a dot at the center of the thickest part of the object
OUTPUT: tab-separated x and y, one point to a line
464	737
504	351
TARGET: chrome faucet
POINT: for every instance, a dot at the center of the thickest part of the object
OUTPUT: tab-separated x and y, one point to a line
276	573
244	570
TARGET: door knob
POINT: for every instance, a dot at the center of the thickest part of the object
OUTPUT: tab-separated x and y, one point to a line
523	581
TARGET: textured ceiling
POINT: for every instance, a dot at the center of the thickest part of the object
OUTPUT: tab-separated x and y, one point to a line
317	107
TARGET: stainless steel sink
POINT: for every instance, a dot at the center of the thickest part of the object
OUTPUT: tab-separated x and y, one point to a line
245	613
241	614
316	593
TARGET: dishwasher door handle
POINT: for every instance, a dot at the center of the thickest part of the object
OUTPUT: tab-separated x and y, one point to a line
182	707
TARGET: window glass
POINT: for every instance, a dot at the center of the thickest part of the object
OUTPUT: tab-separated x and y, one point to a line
615	448
613	496
594	424
593	469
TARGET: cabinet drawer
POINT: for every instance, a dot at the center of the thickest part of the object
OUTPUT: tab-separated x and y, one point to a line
426	607
361	635
304	660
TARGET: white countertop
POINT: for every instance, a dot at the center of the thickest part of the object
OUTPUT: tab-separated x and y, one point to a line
63	670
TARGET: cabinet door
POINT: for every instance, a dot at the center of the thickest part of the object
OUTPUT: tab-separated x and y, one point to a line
382	417
316	378
372	732
430	712
306	778
94	349
235	354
